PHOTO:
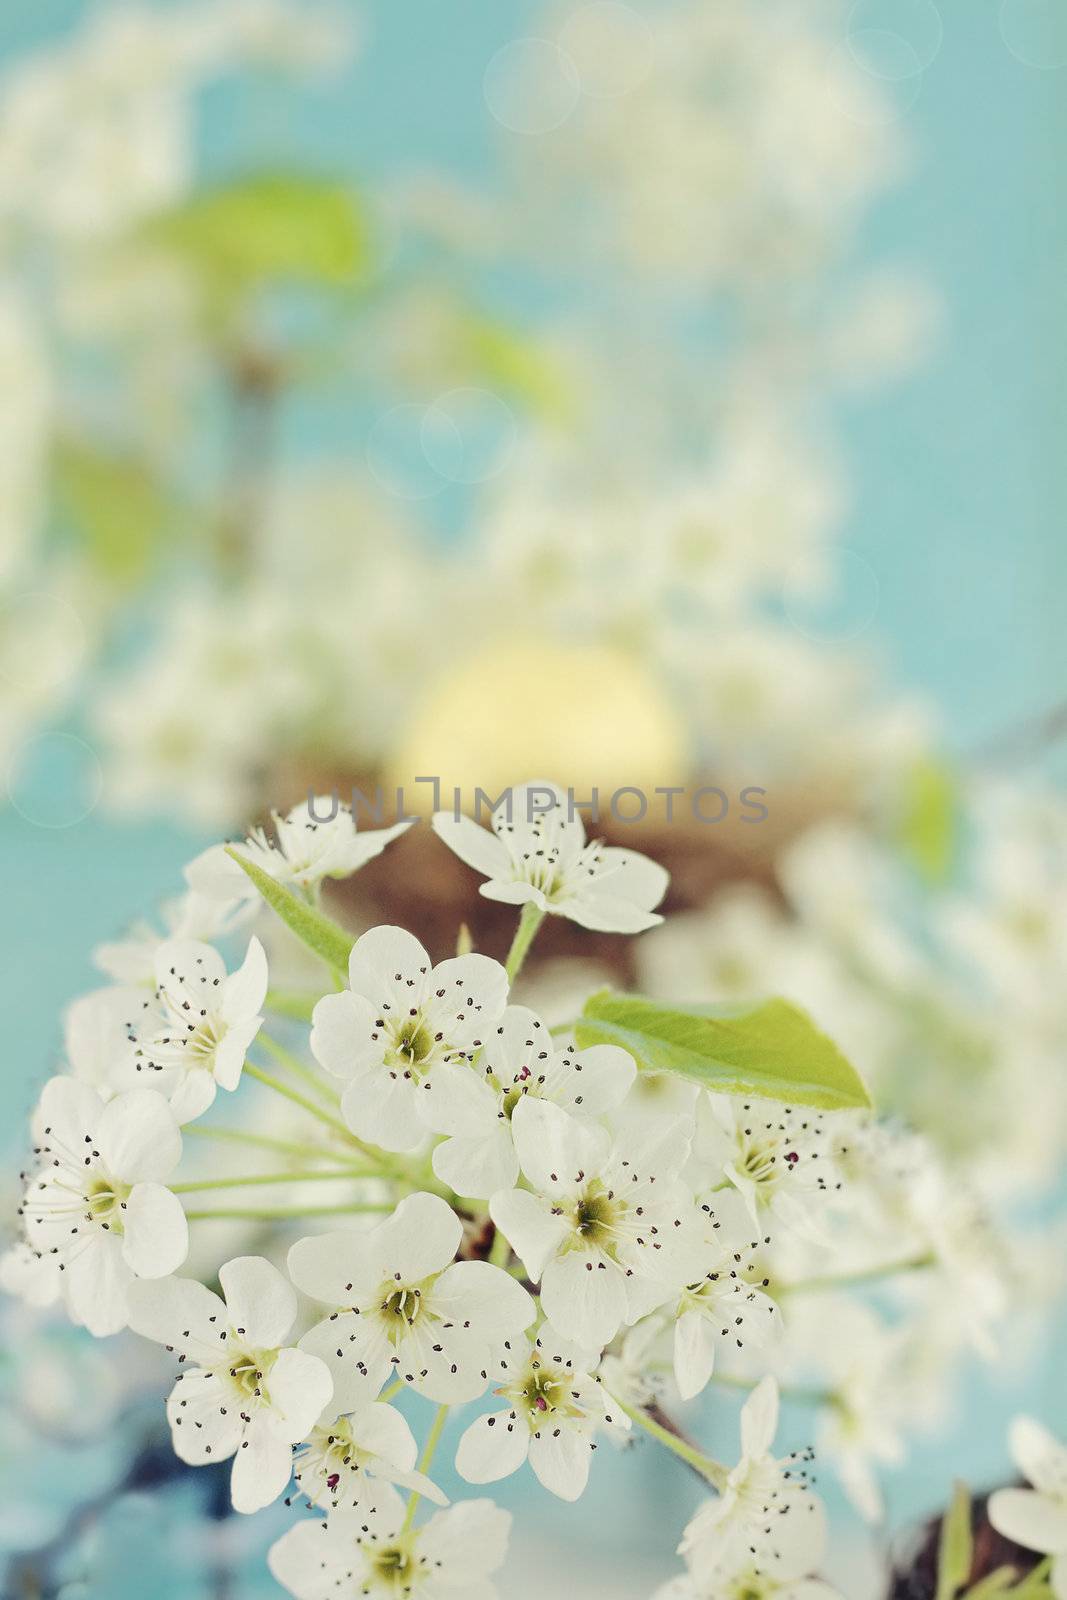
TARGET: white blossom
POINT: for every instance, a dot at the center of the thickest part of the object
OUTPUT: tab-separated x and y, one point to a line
194	1032
132	959
766	1523
245	1392
537	854
403	1030
98	1037
404	1307
30	1276
98	1204
316	840
1036	1517
779	1158
519	1060
353	1458
723	1300
452	1557
598	1225
554	1406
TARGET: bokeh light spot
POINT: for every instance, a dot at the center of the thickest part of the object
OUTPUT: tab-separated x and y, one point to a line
531	86
54	780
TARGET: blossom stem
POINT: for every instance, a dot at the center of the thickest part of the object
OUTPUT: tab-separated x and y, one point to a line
308	1105
269	1177
800	1395
284	1213
261	1141
529	922
287	1059
500	1250
715	1473
843	1280
383	1165
392	1391
289	1003
429	1450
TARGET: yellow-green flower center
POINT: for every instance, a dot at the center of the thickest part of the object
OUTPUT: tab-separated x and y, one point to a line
105	1200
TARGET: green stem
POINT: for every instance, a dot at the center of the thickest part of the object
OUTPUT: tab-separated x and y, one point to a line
287	1059
386	1166
308	1105
800	1395
260	1141
267	1178
285	1213
529	922
846	1280
715	1473
433	1439
500	1250
288	1003
392	1391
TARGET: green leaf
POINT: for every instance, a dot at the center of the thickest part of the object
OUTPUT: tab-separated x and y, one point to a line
955	1551
927	830
116	508
327	939
993	1583
768	1048
269	228
513	362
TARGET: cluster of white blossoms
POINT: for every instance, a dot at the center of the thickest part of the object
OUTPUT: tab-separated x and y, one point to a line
558	1228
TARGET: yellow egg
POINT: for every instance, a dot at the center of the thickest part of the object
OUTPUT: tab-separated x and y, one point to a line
584	716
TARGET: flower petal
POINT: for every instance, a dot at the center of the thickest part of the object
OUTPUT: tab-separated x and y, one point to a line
262	1467
1038	1454
420	1238
193	1094
468	1539
554	1148
759	1419
590	1082
477	846
300	1388
478	1165
388	966
560	1458
355	1350
460	1101
182	1314
205	1425
97	1281
492	1448
341	1025
138	1136
1031	1519
260	1302
383	1431
314	1560
383	1108
584	1298
66	1114
245	990
694	1353
338	1268
496	1306
528	1221
156	1238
